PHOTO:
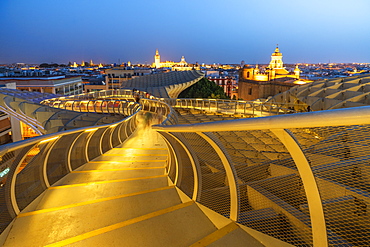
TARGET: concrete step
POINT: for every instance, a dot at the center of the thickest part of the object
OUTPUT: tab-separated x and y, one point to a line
229	235
181	225
57	196
132	157
77	177
39	228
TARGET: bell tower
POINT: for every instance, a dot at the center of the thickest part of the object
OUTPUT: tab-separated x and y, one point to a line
276	59
157	59
297	71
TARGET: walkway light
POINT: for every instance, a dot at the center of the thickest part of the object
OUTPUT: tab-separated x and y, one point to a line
90	130
48	140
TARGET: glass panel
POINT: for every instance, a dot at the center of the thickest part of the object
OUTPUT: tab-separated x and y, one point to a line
106	145
6	162
94	148
115	135
57	164
29	181
78	153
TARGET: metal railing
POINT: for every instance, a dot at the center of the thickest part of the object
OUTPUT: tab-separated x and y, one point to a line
252	108
115	105
123	107
38	162
122	93
29	167
115	102
302	178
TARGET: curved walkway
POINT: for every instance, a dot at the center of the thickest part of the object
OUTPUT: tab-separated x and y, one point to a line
164	85
124	198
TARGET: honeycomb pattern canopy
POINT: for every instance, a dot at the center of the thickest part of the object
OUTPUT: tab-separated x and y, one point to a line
164	85
329	94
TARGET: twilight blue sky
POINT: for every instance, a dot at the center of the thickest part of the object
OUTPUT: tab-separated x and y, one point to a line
209	31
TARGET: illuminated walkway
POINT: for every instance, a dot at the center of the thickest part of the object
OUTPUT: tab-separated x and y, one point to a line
123	198
301	178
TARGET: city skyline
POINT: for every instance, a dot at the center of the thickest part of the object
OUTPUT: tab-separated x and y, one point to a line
203	32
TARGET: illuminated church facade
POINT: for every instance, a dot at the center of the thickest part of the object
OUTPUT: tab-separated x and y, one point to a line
255	83
182	65
273	71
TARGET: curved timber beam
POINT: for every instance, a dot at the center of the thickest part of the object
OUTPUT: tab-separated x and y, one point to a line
319	233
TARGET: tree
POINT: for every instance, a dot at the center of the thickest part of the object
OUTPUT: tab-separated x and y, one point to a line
204	89
44	65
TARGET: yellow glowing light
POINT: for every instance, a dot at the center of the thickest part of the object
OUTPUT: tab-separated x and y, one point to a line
261	78
90	130
112	126
48	140
299	82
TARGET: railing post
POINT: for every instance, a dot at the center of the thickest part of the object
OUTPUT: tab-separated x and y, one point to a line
194	163
319	233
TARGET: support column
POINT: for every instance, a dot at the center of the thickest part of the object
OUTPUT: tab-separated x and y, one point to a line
16	129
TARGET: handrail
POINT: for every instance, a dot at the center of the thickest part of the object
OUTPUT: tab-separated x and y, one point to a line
337	117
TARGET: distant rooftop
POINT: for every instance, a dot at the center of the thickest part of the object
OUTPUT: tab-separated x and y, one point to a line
43	77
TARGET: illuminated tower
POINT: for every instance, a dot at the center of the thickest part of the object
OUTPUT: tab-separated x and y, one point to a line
297	71
91	62
183	62
256	70
83	64
276	60
157	59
